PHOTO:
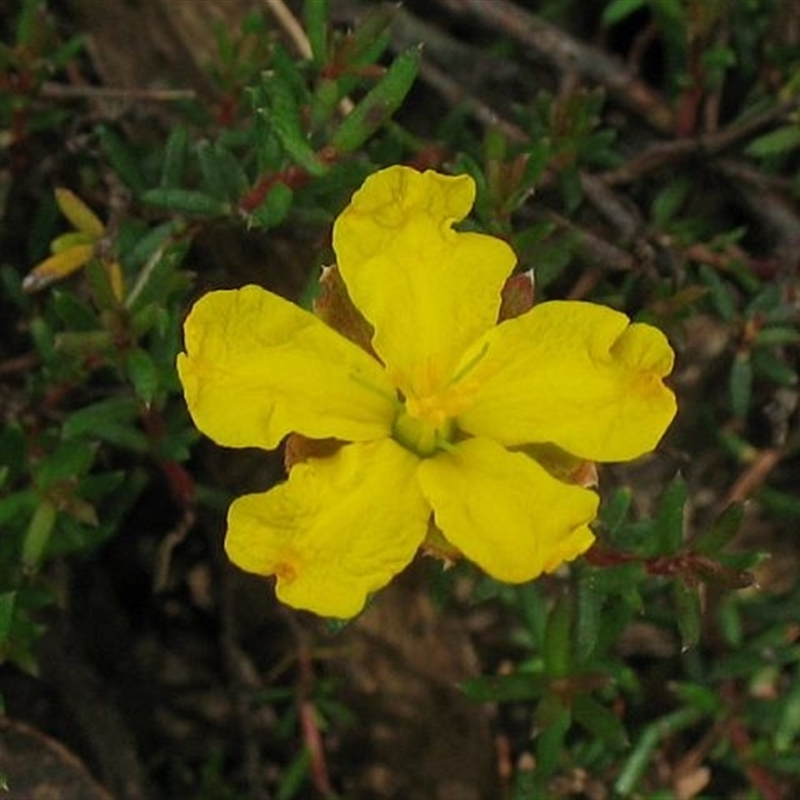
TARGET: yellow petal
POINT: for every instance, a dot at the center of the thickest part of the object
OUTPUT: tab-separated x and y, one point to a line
506	513
78	213
339	529
57	266
575	374
428	290
257	367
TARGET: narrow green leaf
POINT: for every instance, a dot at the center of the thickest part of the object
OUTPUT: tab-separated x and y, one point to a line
69	460
7	602
557	646
777	335
720	293
38	535
552	720
97	416
689	613
379	104
283	117
725	527
618	10
273	209
186	201
504	688
588	615
122	159
741	384
599	721
781	140
175	153
668	521
223	176
143	374
316	13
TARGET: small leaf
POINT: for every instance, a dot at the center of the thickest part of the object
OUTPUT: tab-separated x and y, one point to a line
316	23
781	140
689	614
7	602
741	384
504	688
557	646
618	10
274	208
668	521
379	104
186	201
175	153
78	213
599	721
725	527
57	267
38	535
122	159
142	373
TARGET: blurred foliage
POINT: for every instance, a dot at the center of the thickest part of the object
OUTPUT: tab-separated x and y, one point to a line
92	417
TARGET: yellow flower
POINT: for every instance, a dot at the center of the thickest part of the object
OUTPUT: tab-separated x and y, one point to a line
75	249
440	420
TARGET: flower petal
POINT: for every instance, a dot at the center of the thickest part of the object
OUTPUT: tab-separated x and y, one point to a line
576	374
257	367
339	529
505	512
428	290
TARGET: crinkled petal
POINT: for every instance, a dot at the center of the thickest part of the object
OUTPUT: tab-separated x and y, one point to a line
428	290
339	529
576	374
505	512
257	367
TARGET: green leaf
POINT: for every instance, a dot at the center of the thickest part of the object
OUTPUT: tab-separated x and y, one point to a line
69	460
781	140
7	602
591	598
316	14
38	535
668	521
552	721
618	10
599	721
614	512
111	420
725	527
721	293
122	158
504	688
777	335
283	118
143	374
73	312
186	201
274	208
557	646
223	176
741	384
175	152
379	104
689	613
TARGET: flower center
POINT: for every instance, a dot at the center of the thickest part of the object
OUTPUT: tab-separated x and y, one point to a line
422	435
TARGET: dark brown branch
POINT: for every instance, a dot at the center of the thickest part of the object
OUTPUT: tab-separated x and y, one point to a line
570	55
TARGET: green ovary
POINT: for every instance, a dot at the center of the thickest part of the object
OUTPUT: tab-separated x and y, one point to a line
421	436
